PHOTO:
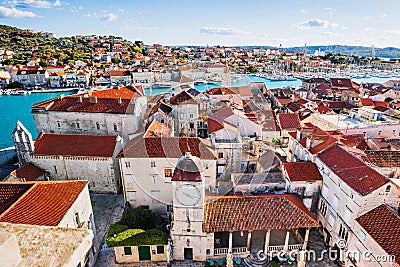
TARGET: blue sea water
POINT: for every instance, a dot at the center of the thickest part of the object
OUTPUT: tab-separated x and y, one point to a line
18	107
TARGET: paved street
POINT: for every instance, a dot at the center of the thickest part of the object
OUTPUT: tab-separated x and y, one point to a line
107	210
316	243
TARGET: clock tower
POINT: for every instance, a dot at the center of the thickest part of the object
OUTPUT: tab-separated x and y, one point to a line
188	240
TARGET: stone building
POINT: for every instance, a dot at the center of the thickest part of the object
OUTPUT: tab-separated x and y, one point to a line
115	111
147	166
74	156
57	205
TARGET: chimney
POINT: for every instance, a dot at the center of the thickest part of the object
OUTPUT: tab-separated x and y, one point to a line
80	99
93	99
120	100
188	155
298	135
61	97
308	143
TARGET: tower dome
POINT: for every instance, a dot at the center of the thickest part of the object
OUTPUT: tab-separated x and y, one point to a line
187	169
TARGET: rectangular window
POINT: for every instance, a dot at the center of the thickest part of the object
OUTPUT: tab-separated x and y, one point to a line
155	197
132	195
331	218
191	115
129	179
58	124
115	127
55	169
335	201
168	173
127	164
160	249
153	164
347	215
154	179
78	125
220	155
127	250
362	235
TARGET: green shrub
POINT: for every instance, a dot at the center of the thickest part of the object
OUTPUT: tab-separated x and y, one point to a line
140	218
114	229
137	237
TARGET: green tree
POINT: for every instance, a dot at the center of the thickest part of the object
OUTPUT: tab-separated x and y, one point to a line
140	218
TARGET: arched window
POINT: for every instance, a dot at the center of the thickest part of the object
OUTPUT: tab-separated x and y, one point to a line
97	126
388	188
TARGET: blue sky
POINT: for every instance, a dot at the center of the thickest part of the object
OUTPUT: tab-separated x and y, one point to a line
217	22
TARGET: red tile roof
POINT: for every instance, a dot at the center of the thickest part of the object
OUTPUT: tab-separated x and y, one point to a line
28	172
9	193
104	101
383	225
289	121
216	120
302	171
75	145
354	172
166	147
260	212
45	203
341	82
182	98
367	102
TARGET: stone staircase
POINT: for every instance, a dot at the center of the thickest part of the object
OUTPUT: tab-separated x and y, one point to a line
253	261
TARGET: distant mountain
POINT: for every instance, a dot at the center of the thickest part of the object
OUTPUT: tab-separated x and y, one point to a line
387	52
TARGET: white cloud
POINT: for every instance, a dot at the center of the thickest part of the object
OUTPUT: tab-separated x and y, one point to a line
330	33
121	10
384	15
80	7
109	17
126	26
303	11
393	31
315	23
330	9
345	28
6	12
367	29
31	3
222	31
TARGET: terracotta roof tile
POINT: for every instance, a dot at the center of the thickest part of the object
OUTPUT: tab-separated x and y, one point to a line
166	147
367	102
354	172
45	203
28	172
75	145
289	121
383	225
259	212
107	101
183	98
10	193
302	171
383	158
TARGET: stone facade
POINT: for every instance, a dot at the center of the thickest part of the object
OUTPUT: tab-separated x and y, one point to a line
91	123
147	181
